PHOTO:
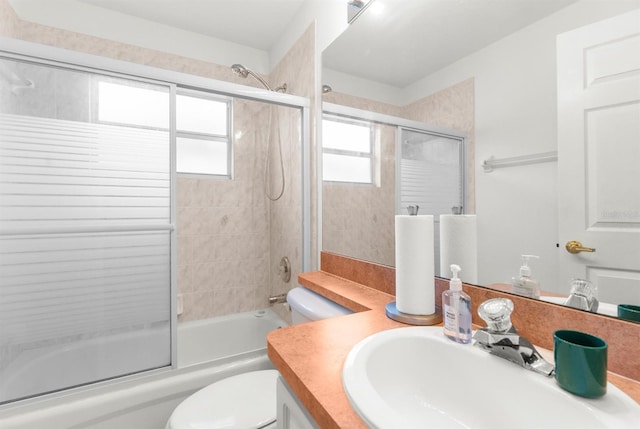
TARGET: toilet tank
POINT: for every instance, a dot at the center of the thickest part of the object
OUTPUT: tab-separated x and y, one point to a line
307	306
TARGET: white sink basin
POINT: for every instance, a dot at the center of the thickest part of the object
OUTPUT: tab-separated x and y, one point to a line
416	377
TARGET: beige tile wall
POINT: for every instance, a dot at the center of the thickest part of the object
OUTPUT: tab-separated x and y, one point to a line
8	20
297	69
223	228
230	237
358	220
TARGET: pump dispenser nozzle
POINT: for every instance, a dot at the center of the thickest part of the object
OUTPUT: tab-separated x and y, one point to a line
525	285
455	283
524	269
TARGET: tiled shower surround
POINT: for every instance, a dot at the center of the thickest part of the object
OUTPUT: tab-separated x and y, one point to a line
230	236
227	228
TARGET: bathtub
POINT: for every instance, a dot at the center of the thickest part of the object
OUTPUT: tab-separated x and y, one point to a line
208	351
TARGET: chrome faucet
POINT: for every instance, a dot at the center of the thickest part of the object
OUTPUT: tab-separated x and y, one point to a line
501	339
583	296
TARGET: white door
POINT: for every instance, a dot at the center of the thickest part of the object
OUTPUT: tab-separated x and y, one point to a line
599	156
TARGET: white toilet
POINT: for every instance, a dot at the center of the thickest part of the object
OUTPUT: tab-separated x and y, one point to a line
248	401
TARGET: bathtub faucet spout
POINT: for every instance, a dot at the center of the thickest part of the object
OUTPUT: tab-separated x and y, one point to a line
278	299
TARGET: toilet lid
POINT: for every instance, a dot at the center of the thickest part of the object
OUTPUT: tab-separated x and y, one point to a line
243	401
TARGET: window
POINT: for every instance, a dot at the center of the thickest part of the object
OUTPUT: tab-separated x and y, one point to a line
203	142
347	150
136	104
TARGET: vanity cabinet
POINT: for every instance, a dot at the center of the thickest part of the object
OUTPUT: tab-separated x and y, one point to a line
291	413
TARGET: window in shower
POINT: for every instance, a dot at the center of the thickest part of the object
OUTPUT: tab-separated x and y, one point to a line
203	120
123	104
347	146
85	227
203	123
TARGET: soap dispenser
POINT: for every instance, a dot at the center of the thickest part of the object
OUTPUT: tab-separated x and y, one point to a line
456	306
525	285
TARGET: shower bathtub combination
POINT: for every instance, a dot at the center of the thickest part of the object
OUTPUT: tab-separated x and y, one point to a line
88	285
208	350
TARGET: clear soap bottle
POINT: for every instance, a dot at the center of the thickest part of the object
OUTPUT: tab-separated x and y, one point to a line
525	284
456	306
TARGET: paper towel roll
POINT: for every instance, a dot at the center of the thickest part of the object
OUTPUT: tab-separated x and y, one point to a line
415	291
459	245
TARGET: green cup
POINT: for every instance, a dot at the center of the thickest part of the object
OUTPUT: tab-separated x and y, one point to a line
629	312
581	363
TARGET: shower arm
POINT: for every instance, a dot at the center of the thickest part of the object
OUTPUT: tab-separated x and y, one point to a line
259	79
282	88
241	70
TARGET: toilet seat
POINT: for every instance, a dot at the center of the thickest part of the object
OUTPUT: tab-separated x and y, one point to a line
242	401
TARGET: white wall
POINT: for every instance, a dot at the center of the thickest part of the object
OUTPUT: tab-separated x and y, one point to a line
515	84
331	20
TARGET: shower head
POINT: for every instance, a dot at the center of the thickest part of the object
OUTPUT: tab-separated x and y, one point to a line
240	70
243	72
326	89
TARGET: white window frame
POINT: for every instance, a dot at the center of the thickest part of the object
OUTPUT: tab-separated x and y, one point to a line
371	155
207	136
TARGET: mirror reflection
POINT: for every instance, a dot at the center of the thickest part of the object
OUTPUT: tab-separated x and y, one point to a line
354	8
500	73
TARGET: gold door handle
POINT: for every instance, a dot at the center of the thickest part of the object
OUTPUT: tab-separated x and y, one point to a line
577	247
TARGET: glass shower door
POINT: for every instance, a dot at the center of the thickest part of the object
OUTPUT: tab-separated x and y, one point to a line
85	227
431	175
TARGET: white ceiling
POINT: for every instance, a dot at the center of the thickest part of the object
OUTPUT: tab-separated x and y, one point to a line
411	39
253	23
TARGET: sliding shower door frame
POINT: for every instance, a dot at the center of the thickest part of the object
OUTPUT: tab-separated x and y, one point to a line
431	131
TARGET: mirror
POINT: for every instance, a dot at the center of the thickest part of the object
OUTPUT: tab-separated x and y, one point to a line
354	8
486	68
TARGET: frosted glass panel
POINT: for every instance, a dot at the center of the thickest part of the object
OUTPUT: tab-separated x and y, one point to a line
347	150
133	105
350	136
341	168
430	173
431	177
201	115
63	285
202	156
63	173
85	230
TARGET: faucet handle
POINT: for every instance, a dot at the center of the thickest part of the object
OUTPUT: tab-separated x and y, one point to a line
497	314
583	295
